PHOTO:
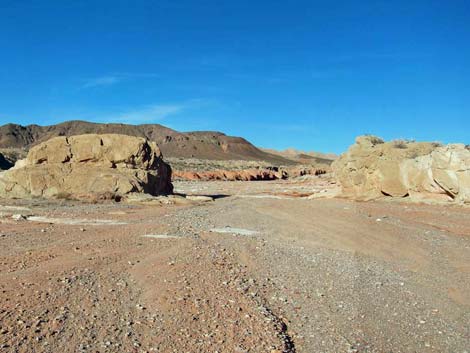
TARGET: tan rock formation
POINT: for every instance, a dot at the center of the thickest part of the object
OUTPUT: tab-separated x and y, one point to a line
372	168
85	166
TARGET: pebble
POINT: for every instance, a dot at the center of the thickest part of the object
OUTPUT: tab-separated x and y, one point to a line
18	217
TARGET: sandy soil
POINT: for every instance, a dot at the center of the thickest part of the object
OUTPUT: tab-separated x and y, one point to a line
260	269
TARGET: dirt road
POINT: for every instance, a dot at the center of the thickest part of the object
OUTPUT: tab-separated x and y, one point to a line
250	272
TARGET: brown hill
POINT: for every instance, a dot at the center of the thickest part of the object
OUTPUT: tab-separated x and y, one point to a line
202	144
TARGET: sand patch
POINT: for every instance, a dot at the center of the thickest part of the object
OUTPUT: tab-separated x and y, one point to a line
77	222
237	231
266	196
14	208
199	198
160	236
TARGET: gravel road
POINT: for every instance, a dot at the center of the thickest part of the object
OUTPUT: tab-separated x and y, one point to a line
239	274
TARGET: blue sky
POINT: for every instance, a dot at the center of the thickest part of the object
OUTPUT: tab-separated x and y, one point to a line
305	74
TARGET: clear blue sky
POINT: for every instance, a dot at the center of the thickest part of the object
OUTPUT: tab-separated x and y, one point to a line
306	74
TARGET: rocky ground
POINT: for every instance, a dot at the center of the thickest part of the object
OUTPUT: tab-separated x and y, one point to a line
265	267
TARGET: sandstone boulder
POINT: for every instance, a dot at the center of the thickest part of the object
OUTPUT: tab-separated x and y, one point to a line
89	165
372	168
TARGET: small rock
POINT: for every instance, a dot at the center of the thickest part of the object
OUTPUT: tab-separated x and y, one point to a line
19	217
140	307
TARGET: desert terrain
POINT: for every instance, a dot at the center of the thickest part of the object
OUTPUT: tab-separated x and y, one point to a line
108	246
261	268
234	176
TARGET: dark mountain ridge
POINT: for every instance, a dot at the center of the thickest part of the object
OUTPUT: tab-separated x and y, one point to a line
197	144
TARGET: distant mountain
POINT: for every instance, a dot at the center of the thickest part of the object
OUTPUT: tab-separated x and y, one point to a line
302	156
201	144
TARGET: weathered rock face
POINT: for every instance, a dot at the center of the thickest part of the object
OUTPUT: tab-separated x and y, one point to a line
444	170
372	168
88	165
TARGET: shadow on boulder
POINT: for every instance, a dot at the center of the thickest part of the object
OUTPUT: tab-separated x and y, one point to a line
5	164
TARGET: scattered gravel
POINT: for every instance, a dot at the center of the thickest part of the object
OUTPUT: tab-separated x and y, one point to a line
320	275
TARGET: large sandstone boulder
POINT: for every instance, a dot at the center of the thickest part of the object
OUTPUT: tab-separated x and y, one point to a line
89	165
372	168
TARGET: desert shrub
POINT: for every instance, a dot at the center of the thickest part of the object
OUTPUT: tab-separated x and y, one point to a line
400	143
374	139
64	196
104	196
